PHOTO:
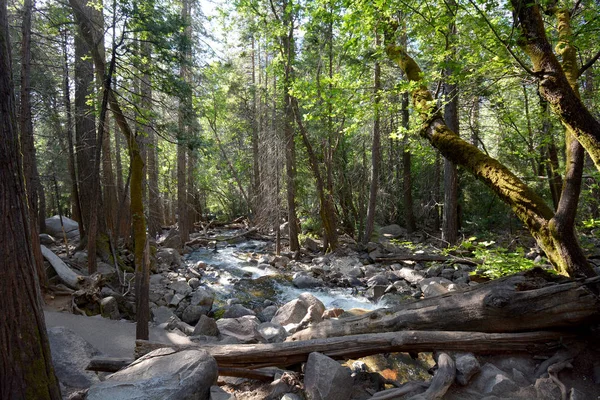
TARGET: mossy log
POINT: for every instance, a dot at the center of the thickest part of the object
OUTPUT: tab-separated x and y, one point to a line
514	304
252	356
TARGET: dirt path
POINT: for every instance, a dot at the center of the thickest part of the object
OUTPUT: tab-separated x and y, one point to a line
113	338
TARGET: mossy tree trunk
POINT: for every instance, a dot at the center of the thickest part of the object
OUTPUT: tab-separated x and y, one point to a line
26	370
562	249
554	85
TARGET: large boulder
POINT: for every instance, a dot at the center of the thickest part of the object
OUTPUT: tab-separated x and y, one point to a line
54	228
206	326
164	374
243	329
70	355
168	257
392	231
294	311
326	379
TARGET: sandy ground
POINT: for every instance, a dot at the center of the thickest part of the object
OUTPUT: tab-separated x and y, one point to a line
113	338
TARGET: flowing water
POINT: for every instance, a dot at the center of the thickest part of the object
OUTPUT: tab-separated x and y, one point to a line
231	274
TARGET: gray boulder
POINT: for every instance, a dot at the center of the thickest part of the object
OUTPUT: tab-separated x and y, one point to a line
302	281
237	310
191	314
410	275
203	297
206	326
168	256
161	314
70	355
467	365
294	311
54	228
164	374
326	379
392	231
181	287
272	333
243	329
493	381
311	244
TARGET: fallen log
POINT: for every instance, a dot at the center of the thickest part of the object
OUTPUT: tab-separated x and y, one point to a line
66	274
515	304
252	356
443	378
200	239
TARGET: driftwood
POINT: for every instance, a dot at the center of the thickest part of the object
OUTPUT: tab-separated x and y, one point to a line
253	356
201	239
394	258
66	274
396	393
443	378
515	304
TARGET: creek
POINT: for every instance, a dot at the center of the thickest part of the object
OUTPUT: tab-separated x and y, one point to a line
240	271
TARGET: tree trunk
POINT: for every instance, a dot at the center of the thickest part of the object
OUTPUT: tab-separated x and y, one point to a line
554	85
289	52
450	214
530	208
75	198
30	171
25	359
155	212
375	150
85	126
513	304
183	124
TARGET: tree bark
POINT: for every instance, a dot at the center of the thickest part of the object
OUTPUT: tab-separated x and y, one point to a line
375	150
30	171
409	215
255	356
26	370
513	304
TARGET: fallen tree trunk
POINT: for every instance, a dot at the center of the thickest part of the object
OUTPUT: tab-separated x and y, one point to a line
252	356
515	304
66	274
200	239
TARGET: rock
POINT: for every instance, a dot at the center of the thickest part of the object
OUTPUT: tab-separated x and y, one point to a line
433	289
236	311
433	271
194	283
493	381
374	293
80	258
70	355
181	287
302	281
161	314
206	326
109	308
243	329
547	389
54	228
267	313
176	299
439	280
411	276
216	393
392	231
310	244
448	273
467	365
291	396
47	240
192	314
326	379
294	311
378	280
203	297
272	333
163	374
